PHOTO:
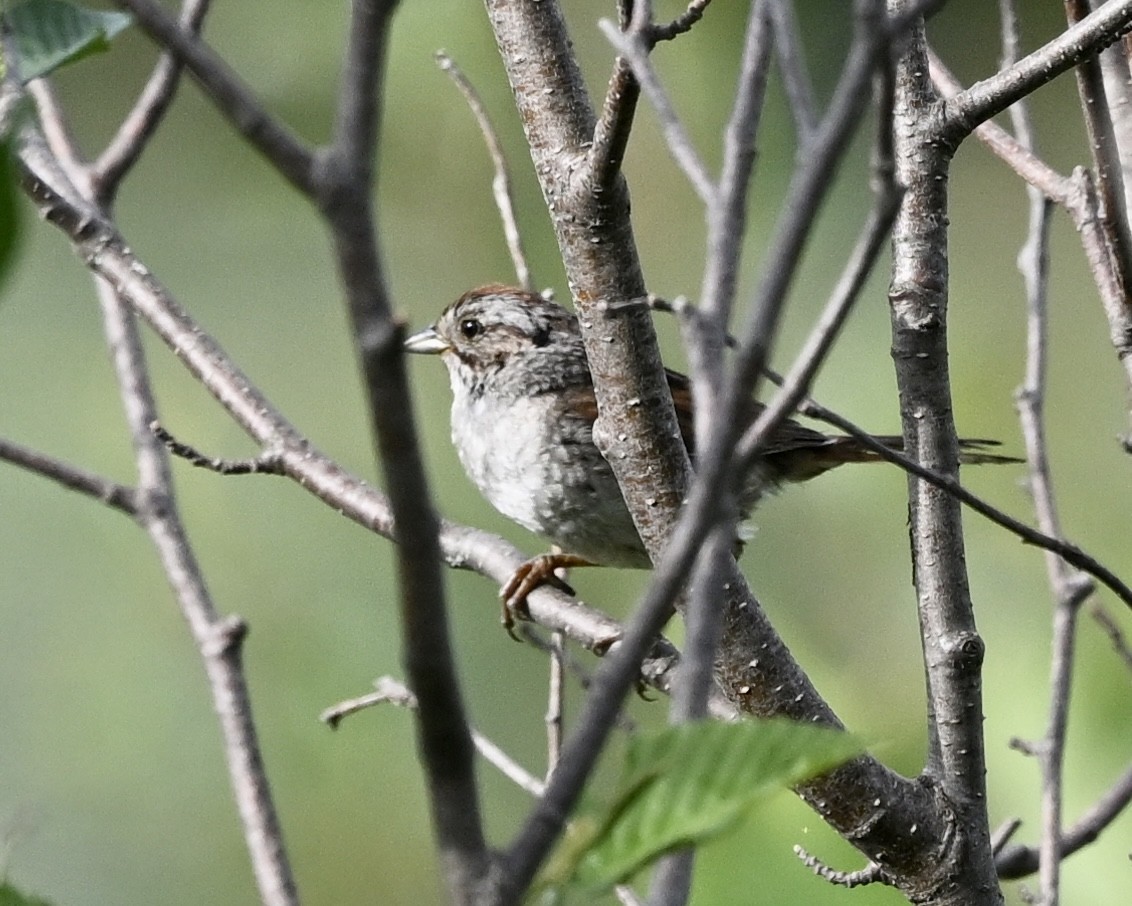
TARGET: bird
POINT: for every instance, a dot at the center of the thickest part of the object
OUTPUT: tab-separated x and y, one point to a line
522	417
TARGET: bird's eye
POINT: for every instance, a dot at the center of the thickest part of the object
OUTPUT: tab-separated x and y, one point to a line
470	328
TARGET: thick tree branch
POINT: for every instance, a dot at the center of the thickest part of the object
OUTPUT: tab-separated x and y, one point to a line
953	650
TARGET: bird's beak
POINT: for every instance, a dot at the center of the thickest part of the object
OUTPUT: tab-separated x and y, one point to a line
427	342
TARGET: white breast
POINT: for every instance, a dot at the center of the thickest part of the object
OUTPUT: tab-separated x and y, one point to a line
504	463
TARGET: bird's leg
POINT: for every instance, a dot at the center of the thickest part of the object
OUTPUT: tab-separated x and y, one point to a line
529	576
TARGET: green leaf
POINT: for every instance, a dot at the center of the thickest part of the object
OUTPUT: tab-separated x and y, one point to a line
9	896
689	783
50	33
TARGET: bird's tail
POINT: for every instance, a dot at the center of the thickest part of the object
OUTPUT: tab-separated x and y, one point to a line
804	462
972	450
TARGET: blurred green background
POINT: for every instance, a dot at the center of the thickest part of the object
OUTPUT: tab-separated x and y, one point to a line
112	787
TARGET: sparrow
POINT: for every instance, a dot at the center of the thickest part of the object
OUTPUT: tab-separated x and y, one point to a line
523	411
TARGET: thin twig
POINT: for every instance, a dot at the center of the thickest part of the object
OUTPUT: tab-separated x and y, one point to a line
556	699
611	132
792	63
1068	551
388	690
274	140
634	47
1106	158
1033	170
140	124
1078	195
264	464
1069	587
116	496
1017	861
795	385
1119	643
873	874
501	182
682	23
219	639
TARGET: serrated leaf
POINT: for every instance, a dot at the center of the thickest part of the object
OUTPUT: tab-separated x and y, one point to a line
689	783
50	33
9	896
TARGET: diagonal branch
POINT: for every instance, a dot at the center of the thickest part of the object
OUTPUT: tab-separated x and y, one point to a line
116	496
140	124
963	112
277	143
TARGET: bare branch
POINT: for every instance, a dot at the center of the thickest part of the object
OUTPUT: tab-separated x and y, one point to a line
963	112
1114	633
873	874
1069	587
792	63
501	183
682	23
1106	157
634	46
140	124
116	496
1021	160
556	701
278	144
611	133
1078	196
1018	861
264	464
1069	552
218	638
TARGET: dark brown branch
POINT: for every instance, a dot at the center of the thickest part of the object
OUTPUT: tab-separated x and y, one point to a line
682	24
264	464
116	496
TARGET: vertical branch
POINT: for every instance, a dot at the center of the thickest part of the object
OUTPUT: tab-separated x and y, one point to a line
1106	156
795	74
953	650
343	190
220	640
1070	588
